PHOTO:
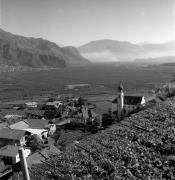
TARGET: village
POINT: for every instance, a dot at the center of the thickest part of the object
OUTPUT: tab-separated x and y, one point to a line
37	127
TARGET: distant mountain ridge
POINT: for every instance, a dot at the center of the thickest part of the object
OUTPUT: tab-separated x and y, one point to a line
112	50
17	50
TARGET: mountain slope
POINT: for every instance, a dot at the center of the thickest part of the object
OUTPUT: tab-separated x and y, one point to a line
74	57
110	50
17	50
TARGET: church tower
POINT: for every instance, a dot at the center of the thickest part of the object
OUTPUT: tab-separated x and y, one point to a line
120	101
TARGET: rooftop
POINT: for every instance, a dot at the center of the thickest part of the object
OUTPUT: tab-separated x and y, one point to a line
130	100
19	125
14	134
36	123
10	151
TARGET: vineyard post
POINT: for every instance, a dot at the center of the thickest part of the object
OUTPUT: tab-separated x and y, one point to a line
23	164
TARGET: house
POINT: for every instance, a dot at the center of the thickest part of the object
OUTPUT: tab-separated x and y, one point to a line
41	128
125	104
31	104
13	136
41	133
56	104
10	154
42	124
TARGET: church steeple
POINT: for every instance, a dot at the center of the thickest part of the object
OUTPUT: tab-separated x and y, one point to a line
120	87
120	101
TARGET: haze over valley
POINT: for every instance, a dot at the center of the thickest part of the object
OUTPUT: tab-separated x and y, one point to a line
112	50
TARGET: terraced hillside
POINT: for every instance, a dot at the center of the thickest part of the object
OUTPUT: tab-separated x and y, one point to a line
140	147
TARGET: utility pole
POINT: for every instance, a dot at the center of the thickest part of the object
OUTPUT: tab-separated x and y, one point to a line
23	162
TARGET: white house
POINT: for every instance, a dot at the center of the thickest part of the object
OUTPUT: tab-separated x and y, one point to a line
41	128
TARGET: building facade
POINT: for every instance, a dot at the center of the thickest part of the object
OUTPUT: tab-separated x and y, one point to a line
123	105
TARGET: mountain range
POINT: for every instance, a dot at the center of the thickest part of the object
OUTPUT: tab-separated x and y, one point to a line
17	51
112	50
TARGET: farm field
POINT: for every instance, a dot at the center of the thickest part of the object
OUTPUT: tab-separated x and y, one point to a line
103	80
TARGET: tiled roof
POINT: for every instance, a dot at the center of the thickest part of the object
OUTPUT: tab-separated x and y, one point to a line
19	125
130	100
36	123
30	123
10	151
14	134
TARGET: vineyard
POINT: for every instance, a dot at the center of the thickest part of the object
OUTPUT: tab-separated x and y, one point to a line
142	146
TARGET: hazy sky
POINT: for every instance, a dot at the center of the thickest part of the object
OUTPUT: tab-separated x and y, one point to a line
75	22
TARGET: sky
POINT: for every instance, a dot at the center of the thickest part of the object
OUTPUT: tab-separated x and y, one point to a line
76	22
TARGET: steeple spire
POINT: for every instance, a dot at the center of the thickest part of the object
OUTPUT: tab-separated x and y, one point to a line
120	87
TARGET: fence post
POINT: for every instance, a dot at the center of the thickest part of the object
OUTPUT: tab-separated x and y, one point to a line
23	162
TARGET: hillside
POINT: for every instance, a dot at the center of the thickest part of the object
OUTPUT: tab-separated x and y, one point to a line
17	51
111	50
73	56
141	146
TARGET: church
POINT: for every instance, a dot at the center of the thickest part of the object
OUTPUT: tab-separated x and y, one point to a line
125	104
